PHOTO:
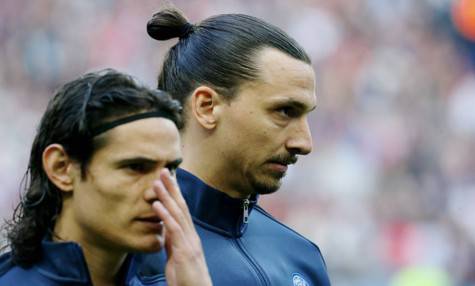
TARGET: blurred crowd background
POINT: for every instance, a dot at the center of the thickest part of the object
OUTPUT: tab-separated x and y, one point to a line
389	191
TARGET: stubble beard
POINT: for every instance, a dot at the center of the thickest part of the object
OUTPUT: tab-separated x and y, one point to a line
267	184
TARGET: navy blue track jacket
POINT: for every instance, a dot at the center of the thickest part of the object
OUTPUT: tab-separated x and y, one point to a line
63	264
244	245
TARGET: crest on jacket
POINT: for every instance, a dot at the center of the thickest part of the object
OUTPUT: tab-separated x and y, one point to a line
298	280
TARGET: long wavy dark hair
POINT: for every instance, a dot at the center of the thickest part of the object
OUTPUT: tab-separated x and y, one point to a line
76	108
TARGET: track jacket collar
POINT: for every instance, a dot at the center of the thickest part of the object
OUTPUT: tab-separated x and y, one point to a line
64	262
212	208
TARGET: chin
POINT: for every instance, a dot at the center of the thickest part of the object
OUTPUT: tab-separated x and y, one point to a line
266	185
147	244
264	190
266	182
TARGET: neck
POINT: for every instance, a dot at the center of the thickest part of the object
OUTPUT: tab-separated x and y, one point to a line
103	263
104	266
205	162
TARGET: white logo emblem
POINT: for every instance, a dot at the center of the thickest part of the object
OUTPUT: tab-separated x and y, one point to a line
298	280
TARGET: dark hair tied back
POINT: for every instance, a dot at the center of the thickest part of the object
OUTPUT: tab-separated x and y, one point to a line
168	24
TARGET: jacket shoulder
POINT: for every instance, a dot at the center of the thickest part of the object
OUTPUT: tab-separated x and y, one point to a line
284	228
5	263
11	274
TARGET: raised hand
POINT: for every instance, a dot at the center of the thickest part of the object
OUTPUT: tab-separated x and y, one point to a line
186	264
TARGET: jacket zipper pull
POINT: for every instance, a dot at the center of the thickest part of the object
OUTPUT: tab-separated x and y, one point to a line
245	216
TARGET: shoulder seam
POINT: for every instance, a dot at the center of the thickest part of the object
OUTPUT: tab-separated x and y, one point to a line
268	215
261	210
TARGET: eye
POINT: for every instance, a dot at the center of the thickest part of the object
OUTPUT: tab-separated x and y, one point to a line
287	111
172	169
140	168
173	166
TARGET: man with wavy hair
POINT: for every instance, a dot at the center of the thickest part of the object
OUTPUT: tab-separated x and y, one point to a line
100	189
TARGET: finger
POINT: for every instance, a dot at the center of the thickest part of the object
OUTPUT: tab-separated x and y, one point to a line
178	247
171	206
172	186
174	232
181	215
174	191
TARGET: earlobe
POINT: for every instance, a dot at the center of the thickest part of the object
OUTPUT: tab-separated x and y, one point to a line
205	104
58	167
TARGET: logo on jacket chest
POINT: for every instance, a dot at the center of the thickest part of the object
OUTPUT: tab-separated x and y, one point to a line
298	280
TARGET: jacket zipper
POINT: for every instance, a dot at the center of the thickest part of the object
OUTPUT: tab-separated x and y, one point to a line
245	216
257	269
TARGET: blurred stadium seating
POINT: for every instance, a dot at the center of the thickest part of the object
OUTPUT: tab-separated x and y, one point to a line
389	191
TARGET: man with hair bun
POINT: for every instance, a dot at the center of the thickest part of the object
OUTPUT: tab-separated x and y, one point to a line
100	189
246	88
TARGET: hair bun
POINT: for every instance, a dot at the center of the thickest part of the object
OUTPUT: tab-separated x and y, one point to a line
169	24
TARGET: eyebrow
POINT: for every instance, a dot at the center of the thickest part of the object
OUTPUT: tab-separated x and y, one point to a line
174	163
295	104
136	160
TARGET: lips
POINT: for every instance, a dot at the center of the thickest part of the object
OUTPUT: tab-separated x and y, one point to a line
278	167
153	219
284	159
152	222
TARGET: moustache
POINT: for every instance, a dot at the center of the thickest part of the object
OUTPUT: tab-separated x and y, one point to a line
284	159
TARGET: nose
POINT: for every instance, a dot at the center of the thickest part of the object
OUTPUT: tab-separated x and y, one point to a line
149	194
300	139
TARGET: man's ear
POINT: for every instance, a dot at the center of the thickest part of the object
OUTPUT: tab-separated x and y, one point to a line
205	106
59	168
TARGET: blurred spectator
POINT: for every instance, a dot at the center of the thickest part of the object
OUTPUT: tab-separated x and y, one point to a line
388	192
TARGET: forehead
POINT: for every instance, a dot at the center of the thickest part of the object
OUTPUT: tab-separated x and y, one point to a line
154	138
282	76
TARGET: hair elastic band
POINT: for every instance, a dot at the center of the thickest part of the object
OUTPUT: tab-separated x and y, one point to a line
186	30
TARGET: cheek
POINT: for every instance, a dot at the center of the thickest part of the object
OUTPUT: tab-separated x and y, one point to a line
250	149
257	133
250	137
251	127
106	200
